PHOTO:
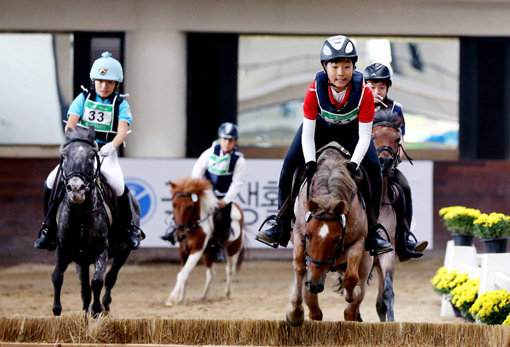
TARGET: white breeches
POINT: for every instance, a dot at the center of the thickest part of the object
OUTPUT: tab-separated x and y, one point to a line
111	170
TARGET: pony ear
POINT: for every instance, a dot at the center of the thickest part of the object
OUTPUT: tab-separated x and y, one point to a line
312	205
172	184
340	208
91	134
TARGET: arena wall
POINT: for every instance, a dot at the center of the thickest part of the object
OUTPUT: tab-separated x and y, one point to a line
482	185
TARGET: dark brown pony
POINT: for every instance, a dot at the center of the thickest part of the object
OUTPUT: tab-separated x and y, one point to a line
330	230
194	205
386	138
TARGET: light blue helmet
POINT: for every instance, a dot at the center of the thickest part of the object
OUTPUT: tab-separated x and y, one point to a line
106	68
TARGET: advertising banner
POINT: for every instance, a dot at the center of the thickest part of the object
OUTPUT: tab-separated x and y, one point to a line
148	180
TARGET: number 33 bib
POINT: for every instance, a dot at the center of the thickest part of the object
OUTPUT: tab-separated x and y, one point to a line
98	115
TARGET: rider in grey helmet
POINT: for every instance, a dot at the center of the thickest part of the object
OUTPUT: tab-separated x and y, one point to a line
224	166
338	106
378	77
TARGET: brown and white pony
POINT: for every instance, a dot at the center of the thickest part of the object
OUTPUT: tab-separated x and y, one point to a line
386	139
330	230
194	206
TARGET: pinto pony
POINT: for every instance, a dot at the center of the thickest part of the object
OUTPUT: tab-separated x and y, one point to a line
330	230
194	206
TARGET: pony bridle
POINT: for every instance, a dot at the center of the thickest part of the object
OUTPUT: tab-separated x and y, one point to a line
193	224
339	242
87	179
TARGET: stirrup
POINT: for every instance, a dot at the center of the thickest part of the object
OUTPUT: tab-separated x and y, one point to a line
136	230
273	244
419	245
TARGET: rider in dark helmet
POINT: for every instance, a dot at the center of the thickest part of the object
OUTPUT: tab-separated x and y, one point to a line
337	107
111	127
378	77
224	166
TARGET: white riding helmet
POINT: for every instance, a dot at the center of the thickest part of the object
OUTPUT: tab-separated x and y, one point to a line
106	68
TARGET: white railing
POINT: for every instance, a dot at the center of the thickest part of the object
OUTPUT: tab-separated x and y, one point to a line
493	269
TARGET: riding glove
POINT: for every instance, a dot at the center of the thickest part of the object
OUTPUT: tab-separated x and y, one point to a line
107	149
310	169
353	168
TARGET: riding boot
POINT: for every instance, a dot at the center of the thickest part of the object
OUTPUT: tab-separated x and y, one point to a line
127	220
47	233
406	247
374	243
278	233
169	235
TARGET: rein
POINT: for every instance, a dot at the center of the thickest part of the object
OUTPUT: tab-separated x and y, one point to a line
194	223
90	181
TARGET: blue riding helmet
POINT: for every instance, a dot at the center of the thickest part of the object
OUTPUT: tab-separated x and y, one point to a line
337	47
106	68
377	72
228	130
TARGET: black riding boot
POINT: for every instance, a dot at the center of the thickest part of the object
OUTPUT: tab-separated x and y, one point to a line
169	235
374	243
47	238
278	233
127	221
407	245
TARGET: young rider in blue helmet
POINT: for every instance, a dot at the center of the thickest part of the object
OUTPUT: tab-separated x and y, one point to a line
109	113
339	107
224	166
378	77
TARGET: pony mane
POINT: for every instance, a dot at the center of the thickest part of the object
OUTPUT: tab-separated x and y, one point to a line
200	186
332	182
80	133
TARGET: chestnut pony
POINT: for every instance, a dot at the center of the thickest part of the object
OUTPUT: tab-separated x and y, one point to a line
330	230
386	137
194	206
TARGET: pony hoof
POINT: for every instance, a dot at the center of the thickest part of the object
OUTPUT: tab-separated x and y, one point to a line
57	311
169	302
292	323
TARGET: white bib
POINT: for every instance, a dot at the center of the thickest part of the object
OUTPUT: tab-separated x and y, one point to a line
98	115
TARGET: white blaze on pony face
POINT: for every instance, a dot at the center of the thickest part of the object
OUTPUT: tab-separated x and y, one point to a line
324	231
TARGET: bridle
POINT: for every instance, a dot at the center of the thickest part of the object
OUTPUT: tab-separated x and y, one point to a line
339	242
394	154
90	180
193	224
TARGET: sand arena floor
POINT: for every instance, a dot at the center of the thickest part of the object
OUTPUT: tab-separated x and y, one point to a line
260	291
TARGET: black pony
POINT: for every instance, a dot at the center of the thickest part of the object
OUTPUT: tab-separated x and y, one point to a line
86	232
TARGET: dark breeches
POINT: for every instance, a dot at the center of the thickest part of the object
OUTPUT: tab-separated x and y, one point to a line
399	178
345	135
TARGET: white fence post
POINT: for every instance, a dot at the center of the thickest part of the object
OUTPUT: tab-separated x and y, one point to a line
495	272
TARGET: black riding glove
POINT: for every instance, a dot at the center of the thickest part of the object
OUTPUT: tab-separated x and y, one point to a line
311	167
353	168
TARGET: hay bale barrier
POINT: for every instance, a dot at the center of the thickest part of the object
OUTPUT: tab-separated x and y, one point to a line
78	328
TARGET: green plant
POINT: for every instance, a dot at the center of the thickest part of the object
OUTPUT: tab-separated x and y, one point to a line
459	219
464	295
445	281
492	226
492	307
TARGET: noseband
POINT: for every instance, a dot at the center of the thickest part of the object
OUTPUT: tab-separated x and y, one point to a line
191	224
89	180
394	154
340	242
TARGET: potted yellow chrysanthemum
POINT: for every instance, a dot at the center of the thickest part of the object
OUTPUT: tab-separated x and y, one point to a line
464	295
493	229
492	307
444	282
459	221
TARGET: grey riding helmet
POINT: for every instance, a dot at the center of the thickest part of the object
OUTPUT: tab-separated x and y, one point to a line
377	72
337	47
228	130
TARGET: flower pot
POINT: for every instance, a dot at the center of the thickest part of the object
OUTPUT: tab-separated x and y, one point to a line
495	245
462	239
456	311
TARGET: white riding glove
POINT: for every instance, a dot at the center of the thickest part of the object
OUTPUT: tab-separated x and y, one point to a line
107	149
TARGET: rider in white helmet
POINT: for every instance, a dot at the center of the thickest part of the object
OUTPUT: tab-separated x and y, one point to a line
109	113
224	166
338	106
378	78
